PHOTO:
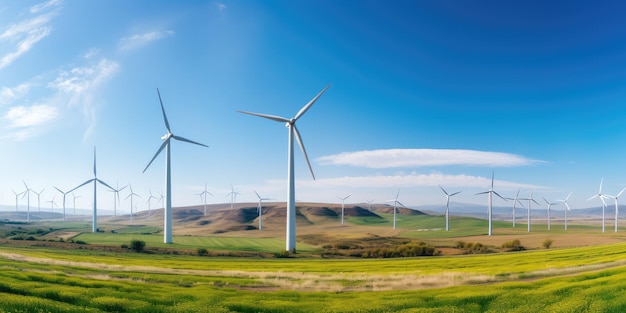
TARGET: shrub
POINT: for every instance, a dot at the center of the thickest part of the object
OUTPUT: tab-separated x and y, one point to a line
282	254
124	246
547	243
137	245
202	251
514	245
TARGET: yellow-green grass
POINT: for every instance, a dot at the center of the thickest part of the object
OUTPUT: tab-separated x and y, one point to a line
30	285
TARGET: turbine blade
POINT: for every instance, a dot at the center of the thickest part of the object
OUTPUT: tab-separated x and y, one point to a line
566	198
83	184
271	117
620	193
58	189
593	197
456	193
166	142
308	105
444	191
306	157
257	194
167	125
94	162
482	193
189	141
402	205
600	190
497	194
105	184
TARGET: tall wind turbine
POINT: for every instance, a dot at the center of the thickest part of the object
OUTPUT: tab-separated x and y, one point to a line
395	207
342	206
27	194
602	197
95	180
516	200
38	200
490	194
260	209
202	195
75	196
64	194
448	196
616	197
530	200
149	201
167	219
116	196
131	195
566	207
233	196
550	204
291	193
16	198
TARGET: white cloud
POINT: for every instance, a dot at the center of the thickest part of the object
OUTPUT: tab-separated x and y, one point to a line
140	40
8	95
24	46
24	122
42	6
397	158
221	7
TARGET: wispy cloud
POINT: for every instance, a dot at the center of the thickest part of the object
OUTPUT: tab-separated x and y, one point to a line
22	36
399	158
139	40
221	7
23	122
8	95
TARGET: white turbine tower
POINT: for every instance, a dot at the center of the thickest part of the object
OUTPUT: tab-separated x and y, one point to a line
38	200
616	197
550	204
291	193
202	195
233	196
260	209
602	197
75	196
530	201
342	206
27	195
369	204
566	207
167	219
131	195
16	198
395	207
64	194
149	201
490	194
95	180
516	200
116	196
448	196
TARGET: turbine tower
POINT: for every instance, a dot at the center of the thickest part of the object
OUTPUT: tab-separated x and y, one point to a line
448	196
291	193
516	200
369	204
131	195
233	195
95	180
38	201
530	200
148	201
116	196
167	219
64	194
602	197
260	209
16	198
75	196
27	195
566	207
395	207
202	195
490	194
616	197
342	206
550	204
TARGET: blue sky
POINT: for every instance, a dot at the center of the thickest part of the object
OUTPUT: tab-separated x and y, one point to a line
424	93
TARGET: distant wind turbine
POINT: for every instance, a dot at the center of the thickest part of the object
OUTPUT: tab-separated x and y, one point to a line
342	206
395	207
233	196
27	194
490	194
566	207
260	209
64	194
149	200
75	196
131	195
369	204
38	201
203	195
516	200
448	196
602	197
550	204
530	201
167	219
95	180
116	196
52	204
16	198
616	197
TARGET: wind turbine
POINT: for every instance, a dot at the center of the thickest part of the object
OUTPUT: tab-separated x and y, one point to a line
516	200
27	195
260	209
369	204
395	207
602	197
148	201
116	196
490	194
75	196
566	207
64	194
616	197
52	204
16	198
95	180
38	202
550	204
233	196
131	195
202	197
291	193
167	219
342	206
448	196
530	200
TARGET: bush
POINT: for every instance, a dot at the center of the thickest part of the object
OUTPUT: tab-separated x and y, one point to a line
124	246
282	254
137	245
203	251
514	245
547	243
